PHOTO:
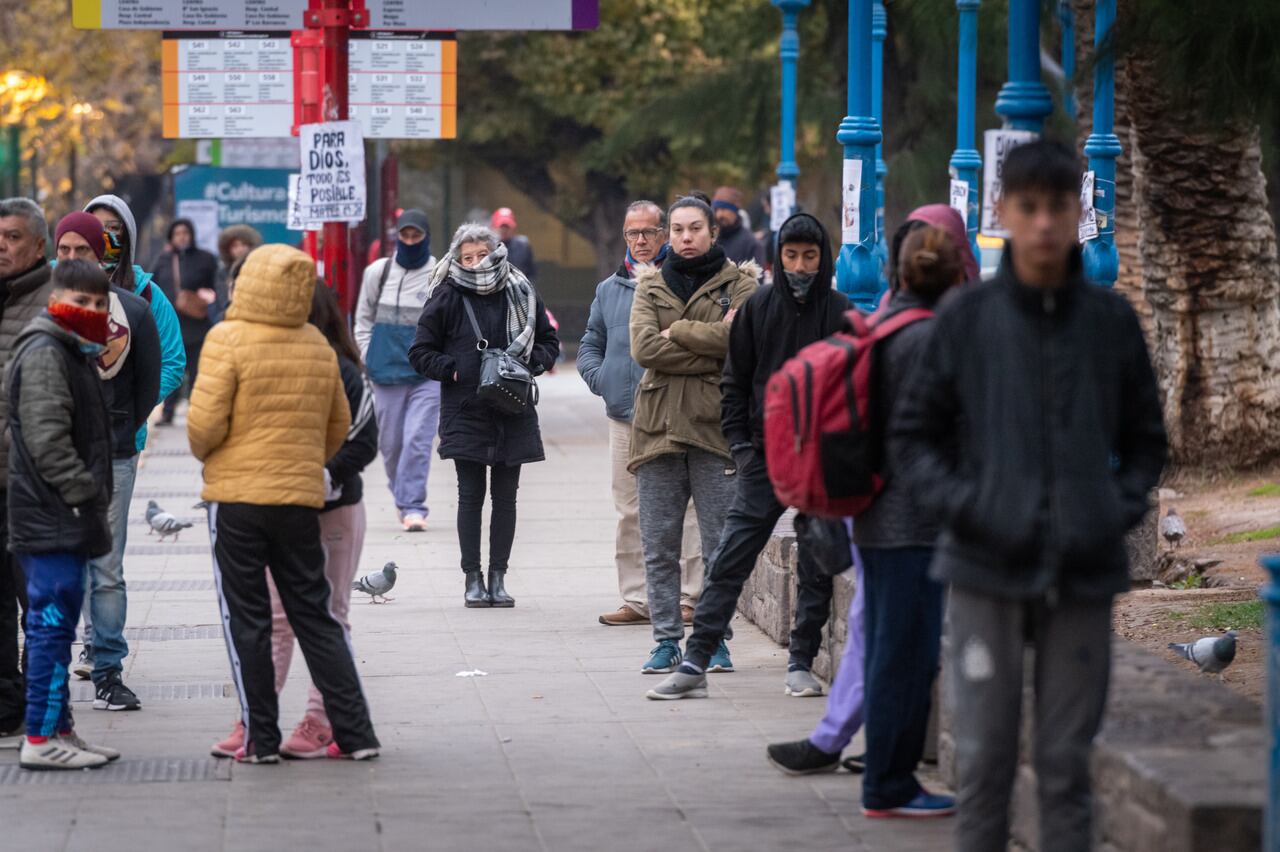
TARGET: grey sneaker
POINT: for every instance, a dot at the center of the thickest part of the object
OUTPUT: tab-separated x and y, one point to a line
83	667
679	685
802	684
76	740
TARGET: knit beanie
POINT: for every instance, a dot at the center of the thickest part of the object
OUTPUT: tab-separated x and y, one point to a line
86	225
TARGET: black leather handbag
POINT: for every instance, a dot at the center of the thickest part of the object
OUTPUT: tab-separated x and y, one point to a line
506	383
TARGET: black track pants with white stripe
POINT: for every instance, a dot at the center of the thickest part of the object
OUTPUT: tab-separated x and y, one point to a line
247	538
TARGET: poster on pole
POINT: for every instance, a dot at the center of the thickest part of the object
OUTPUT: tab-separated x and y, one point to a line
960	198
782	203
331	187
1088	213
295	221
404	85
997	145
227	85
851	208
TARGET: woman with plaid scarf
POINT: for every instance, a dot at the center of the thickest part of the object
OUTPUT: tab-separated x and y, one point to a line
481	440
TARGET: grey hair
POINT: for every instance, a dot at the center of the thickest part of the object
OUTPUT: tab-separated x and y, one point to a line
473	232
27	209
645	204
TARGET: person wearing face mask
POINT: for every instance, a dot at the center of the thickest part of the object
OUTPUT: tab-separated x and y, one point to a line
799	308
130	369
59	491
481	300
680	320
118	262
392	296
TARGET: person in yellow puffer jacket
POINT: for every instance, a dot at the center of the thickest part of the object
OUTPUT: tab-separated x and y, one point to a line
268	409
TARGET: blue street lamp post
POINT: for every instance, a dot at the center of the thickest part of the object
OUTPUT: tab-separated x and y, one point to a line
1024	101
1067	19
879	29
857	273
1101	260
789	51
1271	595
966	162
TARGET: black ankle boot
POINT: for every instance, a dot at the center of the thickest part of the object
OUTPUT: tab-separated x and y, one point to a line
476	594
497	590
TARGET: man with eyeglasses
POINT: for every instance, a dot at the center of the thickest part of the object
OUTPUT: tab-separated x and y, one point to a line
605	362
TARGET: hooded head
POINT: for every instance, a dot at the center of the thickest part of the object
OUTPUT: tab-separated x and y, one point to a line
231	234
275	287
803	228
939	216
181	222
119	258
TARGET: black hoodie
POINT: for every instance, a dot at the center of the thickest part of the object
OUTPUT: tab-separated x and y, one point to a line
770	328
193	269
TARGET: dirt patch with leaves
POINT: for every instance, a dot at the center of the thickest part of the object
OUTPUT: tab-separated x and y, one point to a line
1209	581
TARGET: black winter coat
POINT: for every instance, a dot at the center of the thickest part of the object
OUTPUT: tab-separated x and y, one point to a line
1032	427
133	392
445	344
41	519
770	328
197	269
361	446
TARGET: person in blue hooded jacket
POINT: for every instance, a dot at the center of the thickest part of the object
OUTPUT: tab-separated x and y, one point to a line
121	233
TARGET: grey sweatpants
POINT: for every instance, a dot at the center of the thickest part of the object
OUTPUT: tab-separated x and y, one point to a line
665	485
1072	644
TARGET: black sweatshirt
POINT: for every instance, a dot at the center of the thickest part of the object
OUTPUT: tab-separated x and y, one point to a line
1033	428
361	446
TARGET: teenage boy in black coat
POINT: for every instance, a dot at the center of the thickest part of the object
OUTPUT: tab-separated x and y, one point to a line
1032	427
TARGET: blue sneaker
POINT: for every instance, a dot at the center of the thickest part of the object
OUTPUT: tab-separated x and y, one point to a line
663	658
925	805
720	661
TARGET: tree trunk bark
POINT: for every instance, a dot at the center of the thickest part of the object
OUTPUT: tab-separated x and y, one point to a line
1210	274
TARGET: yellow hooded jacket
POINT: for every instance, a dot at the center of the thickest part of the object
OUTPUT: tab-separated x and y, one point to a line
268	408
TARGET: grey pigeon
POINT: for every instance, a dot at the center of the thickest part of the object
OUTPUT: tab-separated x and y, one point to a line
1172	528
377	584
1212	653
163	523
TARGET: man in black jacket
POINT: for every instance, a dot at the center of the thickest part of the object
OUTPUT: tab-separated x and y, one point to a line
130	369
799	308
1032	428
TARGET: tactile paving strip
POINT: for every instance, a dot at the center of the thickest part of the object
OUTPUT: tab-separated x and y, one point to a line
166	494
171	632
124	771
167	549
82	691
170	585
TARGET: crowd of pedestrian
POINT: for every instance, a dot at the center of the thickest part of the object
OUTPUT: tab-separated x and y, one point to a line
1004	437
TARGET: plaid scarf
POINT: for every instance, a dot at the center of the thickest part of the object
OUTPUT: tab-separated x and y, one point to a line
495	274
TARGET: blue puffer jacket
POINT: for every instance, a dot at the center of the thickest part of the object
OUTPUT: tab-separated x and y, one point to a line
604	359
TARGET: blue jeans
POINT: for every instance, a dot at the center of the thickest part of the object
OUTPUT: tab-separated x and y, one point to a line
904	635
408	416
55	591
106	600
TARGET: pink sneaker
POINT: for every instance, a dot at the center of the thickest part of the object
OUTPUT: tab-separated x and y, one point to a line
336	753
309	740
232	744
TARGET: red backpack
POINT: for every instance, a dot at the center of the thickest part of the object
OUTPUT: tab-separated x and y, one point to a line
819	437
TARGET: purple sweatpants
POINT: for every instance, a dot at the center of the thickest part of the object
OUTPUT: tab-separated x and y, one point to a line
844	703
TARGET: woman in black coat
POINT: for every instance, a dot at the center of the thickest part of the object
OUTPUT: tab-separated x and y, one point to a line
477	437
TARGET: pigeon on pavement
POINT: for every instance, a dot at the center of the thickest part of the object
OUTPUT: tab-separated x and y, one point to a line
1172	528
1212	653
377	584
163	523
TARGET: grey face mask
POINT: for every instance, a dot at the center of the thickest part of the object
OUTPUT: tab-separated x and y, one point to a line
799	283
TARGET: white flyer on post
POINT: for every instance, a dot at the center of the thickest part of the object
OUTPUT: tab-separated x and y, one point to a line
960	198
331	187
782	201
295	221
997	144
1088	213
851	209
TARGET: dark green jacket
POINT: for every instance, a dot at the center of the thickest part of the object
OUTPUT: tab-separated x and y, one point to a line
28	295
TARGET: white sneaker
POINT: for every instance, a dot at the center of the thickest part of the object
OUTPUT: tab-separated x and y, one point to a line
57	753
802	684
414	522
78	741
13	739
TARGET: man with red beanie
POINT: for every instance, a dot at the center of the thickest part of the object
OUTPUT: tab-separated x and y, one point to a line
129	366
519	252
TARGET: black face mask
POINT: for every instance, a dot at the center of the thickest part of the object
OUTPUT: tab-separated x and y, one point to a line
799	283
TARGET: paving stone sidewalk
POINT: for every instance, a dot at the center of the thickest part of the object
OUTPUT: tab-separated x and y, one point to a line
555	748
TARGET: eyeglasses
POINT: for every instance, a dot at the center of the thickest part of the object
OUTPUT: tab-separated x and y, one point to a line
650	234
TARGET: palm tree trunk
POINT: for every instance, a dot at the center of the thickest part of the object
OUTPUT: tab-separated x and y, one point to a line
1210	274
